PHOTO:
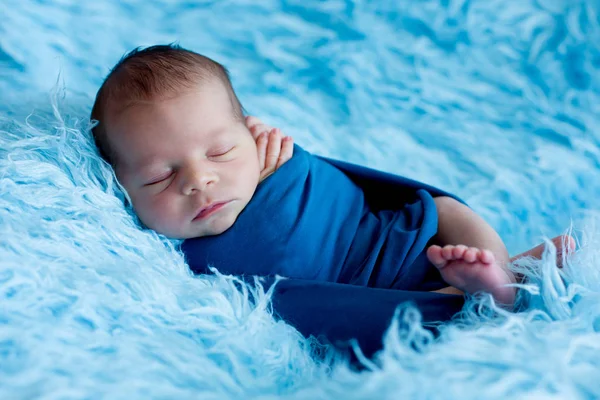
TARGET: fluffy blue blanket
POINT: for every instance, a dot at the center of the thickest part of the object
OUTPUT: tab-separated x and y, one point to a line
494	101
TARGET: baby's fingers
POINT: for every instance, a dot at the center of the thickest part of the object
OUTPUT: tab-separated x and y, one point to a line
261	147
251	122
287	151
273	150
257	130
256	127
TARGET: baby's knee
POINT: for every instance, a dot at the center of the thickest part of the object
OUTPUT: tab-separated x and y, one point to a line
446	203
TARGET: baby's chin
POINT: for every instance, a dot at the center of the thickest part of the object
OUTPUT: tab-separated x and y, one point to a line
210	228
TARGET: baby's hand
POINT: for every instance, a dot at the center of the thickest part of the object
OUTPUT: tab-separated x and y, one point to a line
274	149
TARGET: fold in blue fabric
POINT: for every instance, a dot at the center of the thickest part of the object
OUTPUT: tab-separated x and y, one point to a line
337	313
347	237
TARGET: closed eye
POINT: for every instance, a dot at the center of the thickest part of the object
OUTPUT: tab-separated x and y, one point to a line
221	153
159	179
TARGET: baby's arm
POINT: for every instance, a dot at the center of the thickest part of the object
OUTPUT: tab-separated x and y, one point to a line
273	148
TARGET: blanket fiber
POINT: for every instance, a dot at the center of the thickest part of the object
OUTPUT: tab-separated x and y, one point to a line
494	101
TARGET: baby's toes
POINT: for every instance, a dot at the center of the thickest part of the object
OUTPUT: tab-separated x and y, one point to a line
459	251
434	254
486	257
448	252
471	254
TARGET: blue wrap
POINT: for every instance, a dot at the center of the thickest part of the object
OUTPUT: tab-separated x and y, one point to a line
339	231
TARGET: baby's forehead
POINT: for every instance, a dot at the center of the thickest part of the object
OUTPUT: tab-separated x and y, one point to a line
172	113
119	100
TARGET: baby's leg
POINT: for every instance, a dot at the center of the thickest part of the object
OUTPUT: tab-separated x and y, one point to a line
472	270
473	258
564	245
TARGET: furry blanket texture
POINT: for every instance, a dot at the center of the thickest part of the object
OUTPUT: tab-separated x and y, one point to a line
495	101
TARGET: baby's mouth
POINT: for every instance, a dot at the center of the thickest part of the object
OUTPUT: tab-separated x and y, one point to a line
209	210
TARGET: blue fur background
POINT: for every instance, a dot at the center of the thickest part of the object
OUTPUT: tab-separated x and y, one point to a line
495	101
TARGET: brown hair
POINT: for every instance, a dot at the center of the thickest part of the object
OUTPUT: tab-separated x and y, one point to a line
156	71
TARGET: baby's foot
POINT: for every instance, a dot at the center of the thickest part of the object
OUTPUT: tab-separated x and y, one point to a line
473	270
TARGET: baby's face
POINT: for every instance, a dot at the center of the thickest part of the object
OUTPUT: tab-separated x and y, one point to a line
188	165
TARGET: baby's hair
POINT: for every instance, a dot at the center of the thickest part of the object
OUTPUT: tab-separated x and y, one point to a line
151	73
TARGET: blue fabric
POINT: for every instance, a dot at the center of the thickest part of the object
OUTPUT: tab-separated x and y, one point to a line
351	238
313	220
338	313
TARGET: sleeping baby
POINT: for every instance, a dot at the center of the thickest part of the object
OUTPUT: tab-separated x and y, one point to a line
248	201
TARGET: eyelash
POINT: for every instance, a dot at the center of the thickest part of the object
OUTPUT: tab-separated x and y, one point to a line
222	153
154	182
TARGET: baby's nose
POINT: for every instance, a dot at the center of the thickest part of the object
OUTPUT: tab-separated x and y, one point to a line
198	180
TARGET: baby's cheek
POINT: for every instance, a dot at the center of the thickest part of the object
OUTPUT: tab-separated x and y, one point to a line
164	209
251	164
155	212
